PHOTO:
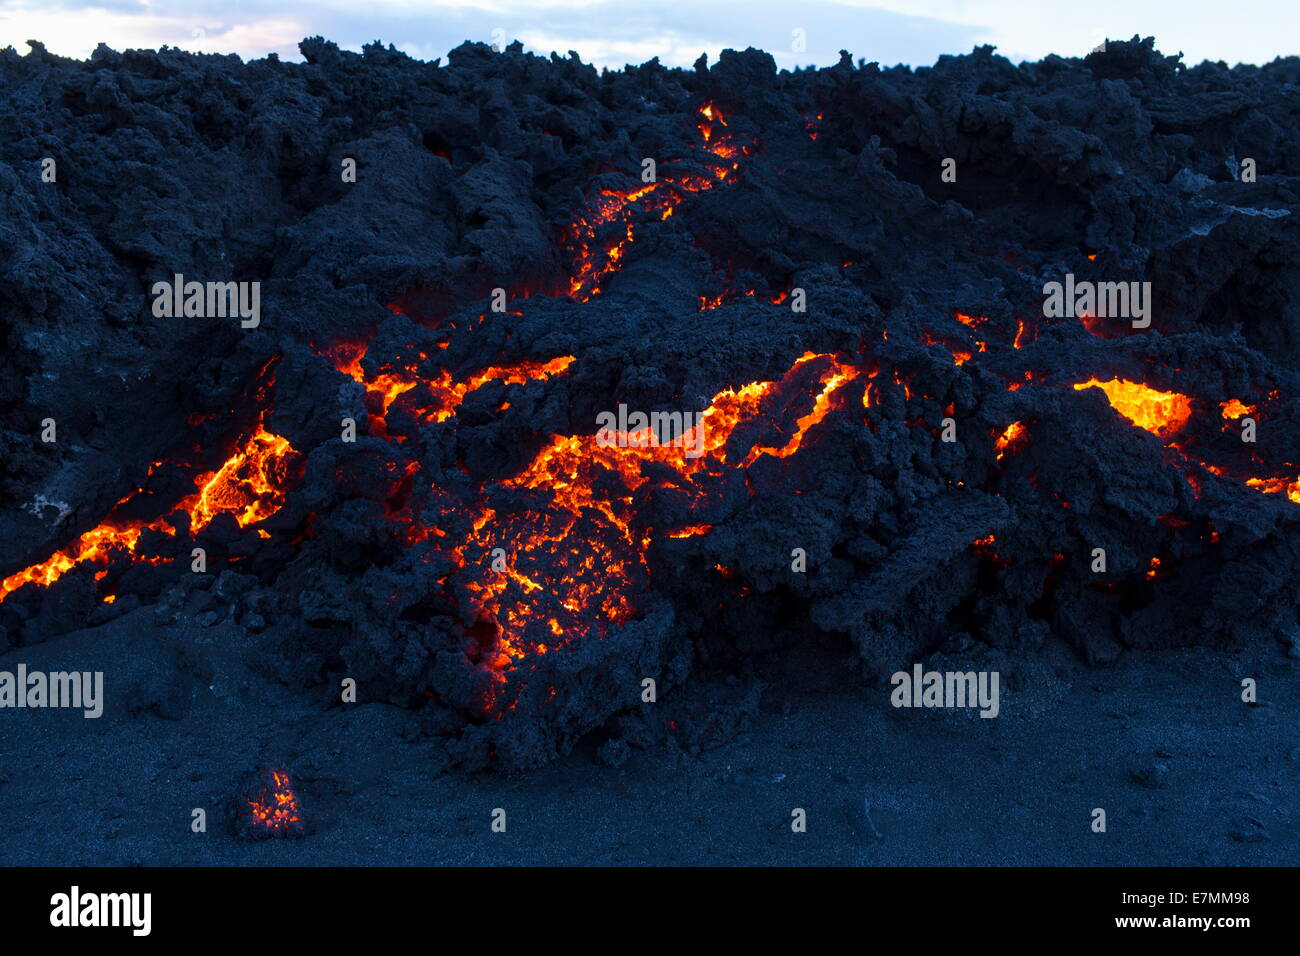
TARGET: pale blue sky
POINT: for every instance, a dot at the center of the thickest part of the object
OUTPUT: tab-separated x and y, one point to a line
615	32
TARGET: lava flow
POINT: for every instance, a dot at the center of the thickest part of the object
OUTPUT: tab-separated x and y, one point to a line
250	485
613	212
1166	414
582	490
440	394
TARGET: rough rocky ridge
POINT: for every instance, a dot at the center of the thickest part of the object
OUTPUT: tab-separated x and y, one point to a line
373	559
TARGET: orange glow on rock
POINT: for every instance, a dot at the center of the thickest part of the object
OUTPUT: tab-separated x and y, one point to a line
985	548
578	488
251	485
446	392
451	393
95	545
601	234
1161	413
1009	437
1273	486
695	530
275	810
1019	340
1233	409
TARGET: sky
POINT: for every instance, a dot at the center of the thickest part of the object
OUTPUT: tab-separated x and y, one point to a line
612	33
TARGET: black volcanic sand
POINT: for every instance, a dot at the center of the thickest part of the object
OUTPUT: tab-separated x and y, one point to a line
1123	166
1187	773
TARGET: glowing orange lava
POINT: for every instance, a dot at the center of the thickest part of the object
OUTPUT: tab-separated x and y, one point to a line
1009	437
1273	486
580	490
276	808
1233	409
444	392
1161	413
251	485
599	237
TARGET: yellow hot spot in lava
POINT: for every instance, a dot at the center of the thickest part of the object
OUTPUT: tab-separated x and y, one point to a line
712	115
1233	409
250	485
1013	433
695	530
94	545
1161	413
1273	486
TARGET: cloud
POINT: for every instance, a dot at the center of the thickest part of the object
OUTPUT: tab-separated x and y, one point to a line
614	32
605	32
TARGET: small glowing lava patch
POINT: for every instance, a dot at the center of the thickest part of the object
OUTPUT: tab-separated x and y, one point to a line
1161	413
267	805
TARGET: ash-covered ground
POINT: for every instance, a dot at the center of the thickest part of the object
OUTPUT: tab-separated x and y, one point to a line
365	540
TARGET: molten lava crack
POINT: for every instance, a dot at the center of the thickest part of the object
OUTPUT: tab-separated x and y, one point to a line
251	485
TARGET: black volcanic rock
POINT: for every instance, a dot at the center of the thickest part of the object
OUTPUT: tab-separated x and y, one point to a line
502	170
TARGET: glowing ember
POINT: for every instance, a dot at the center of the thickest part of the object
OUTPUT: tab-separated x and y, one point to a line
1233	409
1161	413
986	548
1013	434
959	356
275	810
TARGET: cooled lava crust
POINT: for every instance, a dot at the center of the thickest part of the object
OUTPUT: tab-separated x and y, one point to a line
381	559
